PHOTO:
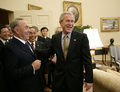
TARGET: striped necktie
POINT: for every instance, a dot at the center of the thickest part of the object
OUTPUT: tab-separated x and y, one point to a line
32	45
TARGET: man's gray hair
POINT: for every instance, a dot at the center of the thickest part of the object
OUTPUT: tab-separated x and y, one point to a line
35	27
65	13
14	23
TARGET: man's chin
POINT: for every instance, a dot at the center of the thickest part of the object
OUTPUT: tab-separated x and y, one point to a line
33	40
69	31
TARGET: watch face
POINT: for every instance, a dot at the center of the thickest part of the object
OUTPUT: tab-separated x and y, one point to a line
75	12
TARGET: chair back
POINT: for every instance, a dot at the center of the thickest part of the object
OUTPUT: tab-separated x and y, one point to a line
115	52
115	56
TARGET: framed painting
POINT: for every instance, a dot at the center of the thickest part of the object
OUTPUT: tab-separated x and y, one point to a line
110	24
75	8
33	7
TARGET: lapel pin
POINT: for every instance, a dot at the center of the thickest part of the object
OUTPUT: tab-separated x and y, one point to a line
74	40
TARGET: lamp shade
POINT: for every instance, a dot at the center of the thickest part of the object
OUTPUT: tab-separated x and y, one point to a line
94	38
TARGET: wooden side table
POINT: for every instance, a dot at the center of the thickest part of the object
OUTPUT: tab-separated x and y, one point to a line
105	52
102	51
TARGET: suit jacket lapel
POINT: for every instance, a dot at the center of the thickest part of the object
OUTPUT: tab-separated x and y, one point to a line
72	43
22	46
1	43
59	44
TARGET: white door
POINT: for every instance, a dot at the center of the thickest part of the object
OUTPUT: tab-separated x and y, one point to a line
36	18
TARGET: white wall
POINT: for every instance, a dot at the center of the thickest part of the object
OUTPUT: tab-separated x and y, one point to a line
92	11
14	4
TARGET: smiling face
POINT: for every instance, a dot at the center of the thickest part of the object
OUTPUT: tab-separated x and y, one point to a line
4	34
22	30
32	34
67	23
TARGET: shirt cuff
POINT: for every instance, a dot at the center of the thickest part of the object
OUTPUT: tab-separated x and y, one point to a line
33	70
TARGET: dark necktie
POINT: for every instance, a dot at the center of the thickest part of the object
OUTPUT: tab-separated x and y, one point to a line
66	44
32	45
6	42
28	46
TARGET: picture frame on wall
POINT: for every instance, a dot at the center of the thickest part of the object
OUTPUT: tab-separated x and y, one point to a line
33	7
75	8
110	24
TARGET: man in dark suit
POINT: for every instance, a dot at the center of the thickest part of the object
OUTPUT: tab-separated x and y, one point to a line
40	50
2	85
46	45
22	67
72	51
44	38
4	36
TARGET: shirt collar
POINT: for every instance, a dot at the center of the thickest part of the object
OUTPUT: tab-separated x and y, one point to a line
2	41
69	35
20	40
44	37
31	42
36	38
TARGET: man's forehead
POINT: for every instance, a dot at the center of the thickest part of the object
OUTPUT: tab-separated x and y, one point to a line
69	16
22	22
33	31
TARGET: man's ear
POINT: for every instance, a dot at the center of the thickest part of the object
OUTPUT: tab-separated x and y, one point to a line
60	22
16	30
